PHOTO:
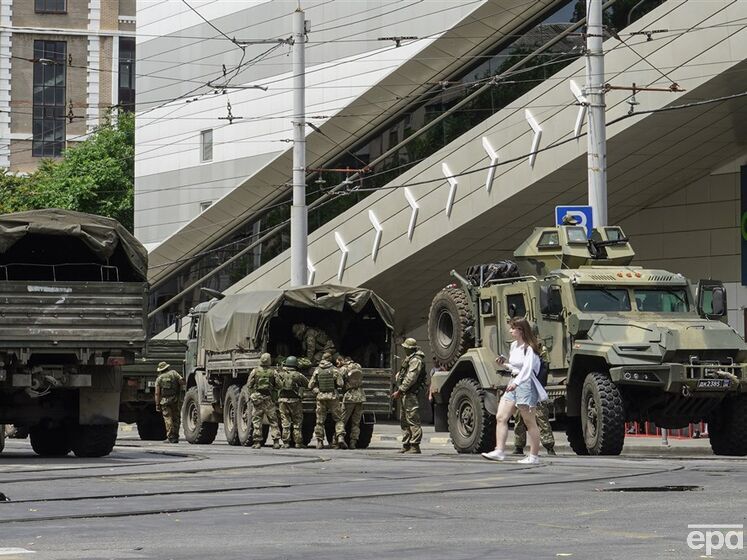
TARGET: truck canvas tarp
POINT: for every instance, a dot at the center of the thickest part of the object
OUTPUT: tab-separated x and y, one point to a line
104	237
237	321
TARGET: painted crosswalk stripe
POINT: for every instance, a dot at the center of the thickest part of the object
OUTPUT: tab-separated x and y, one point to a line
9	551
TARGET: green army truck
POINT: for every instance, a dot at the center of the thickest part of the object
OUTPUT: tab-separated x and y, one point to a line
228	334
74	295
624	344
138	386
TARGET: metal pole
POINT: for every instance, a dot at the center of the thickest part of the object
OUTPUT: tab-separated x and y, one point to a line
597	139
299	212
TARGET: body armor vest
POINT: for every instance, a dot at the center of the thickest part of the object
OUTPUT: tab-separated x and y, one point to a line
326	379
264	381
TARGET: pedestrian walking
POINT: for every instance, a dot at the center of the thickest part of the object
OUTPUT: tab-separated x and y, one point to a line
168	397
524	391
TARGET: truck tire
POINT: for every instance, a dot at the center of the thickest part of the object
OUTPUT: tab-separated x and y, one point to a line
49	442
727	427
2	437
93	441
471	426
195	430
367	430
150	426
575	434
244	419
230	415
450	324
602	415
307	427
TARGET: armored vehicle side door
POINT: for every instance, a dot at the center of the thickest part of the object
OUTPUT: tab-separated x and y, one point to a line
551	323
515	302
190	361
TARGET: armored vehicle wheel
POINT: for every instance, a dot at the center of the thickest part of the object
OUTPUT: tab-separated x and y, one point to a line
93	441
575	434
367	429
150	426
602	415
471	426
195	430
244	419
727	427
450	323
2	437
230	412
49	442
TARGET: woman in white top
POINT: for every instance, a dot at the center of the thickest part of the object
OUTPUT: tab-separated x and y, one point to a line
523	392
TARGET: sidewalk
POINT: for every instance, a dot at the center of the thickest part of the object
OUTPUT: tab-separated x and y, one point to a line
389	432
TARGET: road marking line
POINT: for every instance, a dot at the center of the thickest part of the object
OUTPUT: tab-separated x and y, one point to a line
9	551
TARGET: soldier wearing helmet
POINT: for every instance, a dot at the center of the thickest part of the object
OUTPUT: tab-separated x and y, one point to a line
326	382
314	342
168	397
261	388
291	384
408	383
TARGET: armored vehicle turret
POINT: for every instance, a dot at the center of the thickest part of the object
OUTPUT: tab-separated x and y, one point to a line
624	343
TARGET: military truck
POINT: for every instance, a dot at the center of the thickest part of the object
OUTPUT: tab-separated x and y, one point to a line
74	294
227	335
139	382
624	344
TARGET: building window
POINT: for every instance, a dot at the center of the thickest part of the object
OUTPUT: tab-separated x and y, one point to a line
49	98
126	97
206	143
50	6
205	205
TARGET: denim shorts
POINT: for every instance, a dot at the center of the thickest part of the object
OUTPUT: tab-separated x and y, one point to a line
524	395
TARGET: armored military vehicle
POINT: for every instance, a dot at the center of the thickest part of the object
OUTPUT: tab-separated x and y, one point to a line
228	334
74	295
139	382
623	344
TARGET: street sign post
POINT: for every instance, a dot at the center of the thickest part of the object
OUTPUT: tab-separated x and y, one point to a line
582	214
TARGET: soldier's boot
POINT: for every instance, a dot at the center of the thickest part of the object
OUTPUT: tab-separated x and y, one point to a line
353	443
276	444
256	445
286	444
550	449
518	450
414	448
405	449
341	443
301	445
319	444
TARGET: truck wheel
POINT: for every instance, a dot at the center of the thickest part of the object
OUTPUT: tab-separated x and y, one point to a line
49	442
367	429
450	323
230	415
93	441
2	437
244	419
195	430
575	434
602	415
471	426
727	427
150	426
307	427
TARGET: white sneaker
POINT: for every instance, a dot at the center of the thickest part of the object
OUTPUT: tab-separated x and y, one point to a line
529	460
495	455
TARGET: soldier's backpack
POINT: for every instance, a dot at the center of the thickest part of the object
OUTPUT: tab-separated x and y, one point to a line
542	372
326	379
265	381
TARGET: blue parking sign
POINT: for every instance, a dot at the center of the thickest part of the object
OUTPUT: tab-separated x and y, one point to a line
583	215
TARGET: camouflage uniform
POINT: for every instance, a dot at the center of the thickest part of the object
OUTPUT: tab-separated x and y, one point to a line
326	381
353	399
261	388
546	436
410	379
291	384
314	343
169	393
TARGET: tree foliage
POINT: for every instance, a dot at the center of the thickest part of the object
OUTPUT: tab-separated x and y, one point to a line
94	176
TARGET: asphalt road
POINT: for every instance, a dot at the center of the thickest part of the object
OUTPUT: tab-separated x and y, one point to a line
153	500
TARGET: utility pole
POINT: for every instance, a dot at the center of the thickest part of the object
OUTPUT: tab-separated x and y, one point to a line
299	212
597	137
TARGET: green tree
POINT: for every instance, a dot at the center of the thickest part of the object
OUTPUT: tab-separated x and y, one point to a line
95	176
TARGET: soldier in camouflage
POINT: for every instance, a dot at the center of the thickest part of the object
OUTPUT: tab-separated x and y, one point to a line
326	382
168	397
410	379
354	397
543	423
291	384
261	388
314	343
